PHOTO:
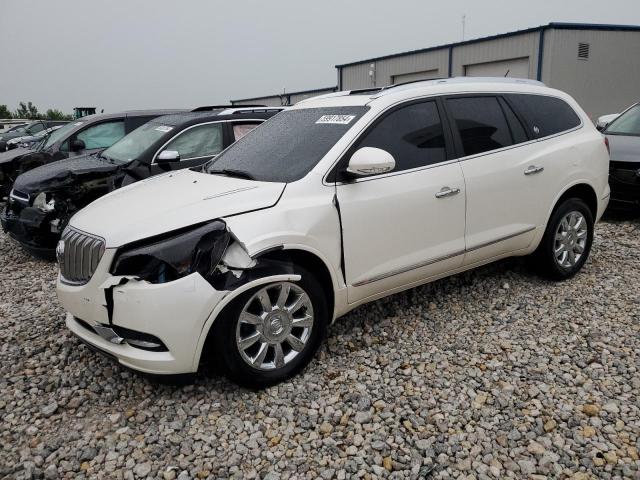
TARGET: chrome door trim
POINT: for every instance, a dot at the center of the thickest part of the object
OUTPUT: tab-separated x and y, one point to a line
392	273
399	271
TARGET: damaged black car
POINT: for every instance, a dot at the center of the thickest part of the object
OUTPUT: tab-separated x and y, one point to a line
86	135
44	199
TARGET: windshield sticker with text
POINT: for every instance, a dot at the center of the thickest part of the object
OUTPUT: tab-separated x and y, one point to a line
164	128
336	119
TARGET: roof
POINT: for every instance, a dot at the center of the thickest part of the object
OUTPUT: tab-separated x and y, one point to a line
299	92
214	115
553	25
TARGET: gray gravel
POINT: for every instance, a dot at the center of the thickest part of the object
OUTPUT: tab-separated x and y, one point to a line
489	374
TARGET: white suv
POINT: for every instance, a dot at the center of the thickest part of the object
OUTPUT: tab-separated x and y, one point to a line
340	200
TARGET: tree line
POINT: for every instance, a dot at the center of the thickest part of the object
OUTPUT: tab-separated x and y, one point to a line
30	111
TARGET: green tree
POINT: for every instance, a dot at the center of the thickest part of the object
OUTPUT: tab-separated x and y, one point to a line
55	114
4	112
28	110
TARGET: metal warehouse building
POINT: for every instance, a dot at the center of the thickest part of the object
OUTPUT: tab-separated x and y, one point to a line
597	64
284	98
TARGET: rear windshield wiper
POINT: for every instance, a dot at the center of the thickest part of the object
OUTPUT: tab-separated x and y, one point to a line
230	172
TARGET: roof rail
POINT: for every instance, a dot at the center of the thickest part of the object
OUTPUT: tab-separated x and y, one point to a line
240	110
208	108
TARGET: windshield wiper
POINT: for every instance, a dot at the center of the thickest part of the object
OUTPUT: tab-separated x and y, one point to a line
230	172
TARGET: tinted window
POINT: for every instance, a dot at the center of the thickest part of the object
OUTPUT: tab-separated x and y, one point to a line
545	115
518	133
199	141
481	124
412	134
286	147
626	124
102	135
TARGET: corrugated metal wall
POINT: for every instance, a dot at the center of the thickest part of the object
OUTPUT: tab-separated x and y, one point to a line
284	99
518	46
357	76
608	81
272	101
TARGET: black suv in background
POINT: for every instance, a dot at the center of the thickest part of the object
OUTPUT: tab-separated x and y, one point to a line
44	199
28	130
86	135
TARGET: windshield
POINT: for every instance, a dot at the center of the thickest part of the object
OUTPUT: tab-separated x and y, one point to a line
286	147
131	146
59	134
626	124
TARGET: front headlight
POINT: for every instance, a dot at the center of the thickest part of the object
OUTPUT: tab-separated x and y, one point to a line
178	254
44	202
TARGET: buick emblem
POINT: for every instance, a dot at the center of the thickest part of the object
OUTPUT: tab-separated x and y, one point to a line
60	251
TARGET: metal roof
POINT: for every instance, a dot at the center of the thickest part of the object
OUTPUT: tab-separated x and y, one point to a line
553	25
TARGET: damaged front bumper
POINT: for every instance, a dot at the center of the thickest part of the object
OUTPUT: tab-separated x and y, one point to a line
175	313
31	227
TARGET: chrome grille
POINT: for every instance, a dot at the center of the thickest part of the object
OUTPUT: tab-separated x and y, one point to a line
78	255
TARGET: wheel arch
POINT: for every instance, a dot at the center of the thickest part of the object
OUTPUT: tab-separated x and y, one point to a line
582	190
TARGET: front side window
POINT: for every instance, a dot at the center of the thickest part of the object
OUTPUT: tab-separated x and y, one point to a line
289	145
413	135
35	128
626	124
102	135
199	141
481	124
545	115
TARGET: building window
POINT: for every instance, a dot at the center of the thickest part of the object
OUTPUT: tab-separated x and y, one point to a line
583	51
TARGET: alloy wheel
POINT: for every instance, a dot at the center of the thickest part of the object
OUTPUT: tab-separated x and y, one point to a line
570	239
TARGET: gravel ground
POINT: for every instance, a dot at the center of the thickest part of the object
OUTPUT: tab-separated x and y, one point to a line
489	374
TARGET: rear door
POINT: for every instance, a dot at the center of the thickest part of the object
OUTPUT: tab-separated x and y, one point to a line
401	227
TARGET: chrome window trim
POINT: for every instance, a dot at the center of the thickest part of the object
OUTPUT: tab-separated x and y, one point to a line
153	160
446	162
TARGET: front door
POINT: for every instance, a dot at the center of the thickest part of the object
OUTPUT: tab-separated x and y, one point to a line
404	226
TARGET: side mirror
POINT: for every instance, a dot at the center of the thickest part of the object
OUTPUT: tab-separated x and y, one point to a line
370	161
168	156
77	145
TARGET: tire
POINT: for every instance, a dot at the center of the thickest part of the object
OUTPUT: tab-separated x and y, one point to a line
229	332
573	241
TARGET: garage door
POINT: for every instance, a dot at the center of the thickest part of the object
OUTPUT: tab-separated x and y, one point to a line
515	68
414	76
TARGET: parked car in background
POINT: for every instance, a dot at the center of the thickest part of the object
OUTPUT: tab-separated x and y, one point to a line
338	201
32	128
7	126
87	135
623	137
29	141
605	120
44	199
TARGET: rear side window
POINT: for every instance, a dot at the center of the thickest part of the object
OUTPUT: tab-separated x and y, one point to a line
102	135
544	115
412	134
481	124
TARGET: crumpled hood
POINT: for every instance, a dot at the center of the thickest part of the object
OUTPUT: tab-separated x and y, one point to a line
63	173
171	201
624	148
6	157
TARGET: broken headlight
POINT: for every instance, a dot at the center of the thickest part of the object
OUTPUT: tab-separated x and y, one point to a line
178	254
44	202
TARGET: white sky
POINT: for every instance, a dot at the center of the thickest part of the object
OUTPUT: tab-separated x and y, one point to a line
124	54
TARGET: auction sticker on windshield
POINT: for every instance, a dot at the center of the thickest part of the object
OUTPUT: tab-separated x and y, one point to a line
164	128
336	119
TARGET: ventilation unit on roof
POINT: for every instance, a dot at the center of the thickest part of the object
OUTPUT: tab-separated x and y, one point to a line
583	51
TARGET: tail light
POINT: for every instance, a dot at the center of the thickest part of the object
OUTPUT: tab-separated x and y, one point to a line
606	144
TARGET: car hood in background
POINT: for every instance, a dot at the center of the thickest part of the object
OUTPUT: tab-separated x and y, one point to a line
11	155
169	202
64	173
624	148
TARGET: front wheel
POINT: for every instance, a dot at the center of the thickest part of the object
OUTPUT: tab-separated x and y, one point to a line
567	240
271	332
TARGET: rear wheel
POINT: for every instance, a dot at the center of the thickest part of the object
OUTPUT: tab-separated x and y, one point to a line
271	332
567	240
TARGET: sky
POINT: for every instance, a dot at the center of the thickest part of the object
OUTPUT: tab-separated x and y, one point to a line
128	54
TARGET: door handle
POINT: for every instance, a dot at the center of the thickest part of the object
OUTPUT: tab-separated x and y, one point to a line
531	169
447	192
